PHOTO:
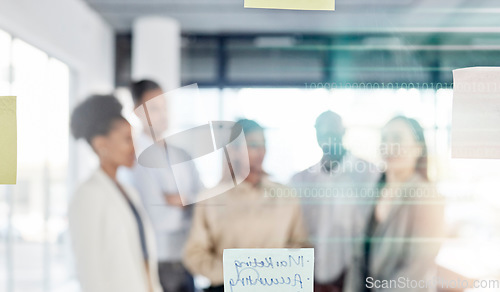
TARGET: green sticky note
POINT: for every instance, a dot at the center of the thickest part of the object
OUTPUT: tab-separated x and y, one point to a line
292	4
8	140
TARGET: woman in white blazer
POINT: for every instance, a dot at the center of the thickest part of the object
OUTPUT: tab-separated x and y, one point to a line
402	237
111	235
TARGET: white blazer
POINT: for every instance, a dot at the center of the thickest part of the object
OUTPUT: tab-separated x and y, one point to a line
106	240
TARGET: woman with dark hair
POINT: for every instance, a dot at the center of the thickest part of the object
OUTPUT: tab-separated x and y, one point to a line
403	234
257	213
112	238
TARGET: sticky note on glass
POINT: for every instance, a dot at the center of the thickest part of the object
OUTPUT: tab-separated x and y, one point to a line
292	4
276	270
8	140
476	113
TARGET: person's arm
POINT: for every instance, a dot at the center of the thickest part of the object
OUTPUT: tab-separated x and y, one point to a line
298	233
195	185
174	200
168	186
84	223
199	253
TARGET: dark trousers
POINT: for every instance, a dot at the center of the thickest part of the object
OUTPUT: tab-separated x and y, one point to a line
175	278
335	286
215	289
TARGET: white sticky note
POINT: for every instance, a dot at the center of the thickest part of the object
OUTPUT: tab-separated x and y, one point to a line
292	4
273	270
476	113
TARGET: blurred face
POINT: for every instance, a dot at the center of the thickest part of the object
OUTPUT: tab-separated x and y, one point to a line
157	110
116	148
399	148
256	143
329	136
256	148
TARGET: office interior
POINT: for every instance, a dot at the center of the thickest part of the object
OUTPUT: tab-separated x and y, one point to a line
367	60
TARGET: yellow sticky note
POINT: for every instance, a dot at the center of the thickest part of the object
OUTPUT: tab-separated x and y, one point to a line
292	4
8	140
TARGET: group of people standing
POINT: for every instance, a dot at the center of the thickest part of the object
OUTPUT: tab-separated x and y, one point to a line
143	238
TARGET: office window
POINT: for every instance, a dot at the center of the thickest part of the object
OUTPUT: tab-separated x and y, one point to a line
288	114
33	212
5	41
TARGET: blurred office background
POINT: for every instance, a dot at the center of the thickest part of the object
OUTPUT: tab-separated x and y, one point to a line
368	61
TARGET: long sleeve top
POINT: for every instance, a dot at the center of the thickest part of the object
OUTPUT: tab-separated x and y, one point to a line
265	216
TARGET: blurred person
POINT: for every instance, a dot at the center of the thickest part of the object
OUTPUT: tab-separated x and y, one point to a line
246	216
330	193
111	235
402	237
159	192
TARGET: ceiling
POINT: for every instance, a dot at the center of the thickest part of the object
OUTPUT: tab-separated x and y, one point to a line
229	16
